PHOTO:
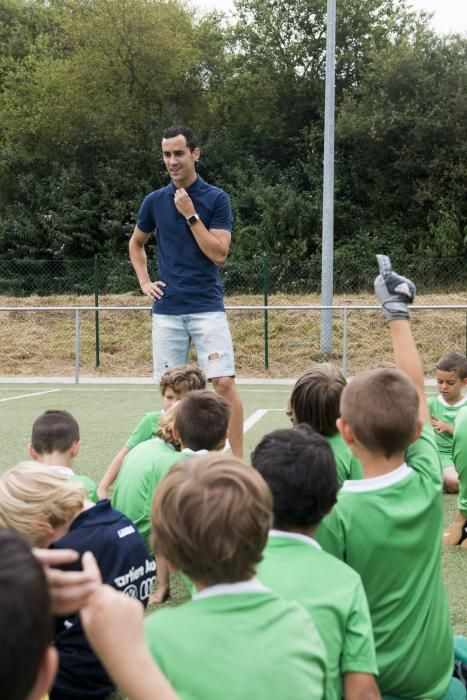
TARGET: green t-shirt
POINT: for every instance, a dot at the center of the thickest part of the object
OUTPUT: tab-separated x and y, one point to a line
348	466
296	567
145	430
459	453
439	408
141	471
388	529
236	642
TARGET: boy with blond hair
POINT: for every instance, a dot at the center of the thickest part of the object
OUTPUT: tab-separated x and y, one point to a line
451	378
199	423
52	510
387	526
174	385
235	639
299	467
55	442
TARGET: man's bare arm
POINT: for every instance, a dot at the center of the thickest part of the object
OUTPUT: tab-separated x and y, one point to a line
214	243
139	260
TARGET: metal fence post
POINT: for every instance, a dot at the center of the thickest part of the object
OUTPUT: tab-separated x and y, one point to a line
266	301
77	346
345	344
96	303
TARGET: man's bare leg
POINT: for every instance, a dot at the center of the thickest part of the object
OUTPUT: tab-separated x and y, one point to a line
226	387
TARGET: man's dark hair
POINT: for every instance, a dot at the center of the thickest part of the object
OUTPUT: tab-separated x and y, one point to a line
26	627
298	466
54	431
202	418
180	130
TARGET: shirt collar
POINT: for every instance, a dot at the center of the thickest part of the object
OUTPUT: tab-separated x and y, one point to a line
189	451
377	482
461	402
253	585
294	536
192	188
65	471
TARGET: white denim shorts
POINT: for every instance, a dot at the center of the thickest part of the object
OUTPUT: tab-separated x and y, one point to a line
210	333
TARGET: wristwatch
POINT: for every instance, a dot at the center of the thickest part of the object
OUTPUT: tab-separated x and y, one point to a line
192	219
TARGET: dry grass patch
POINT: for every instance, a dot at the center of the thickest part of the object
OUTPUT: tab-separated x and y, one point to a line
39	343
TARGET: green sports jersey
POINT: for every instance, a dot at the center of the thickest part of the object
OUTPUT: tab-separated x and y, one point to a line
439	408
459	453
298	569
347	465
238	641
388	529
141	471
145	430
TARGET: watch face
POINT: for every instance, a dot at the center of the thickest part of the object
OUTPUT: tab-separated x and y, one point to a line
193	219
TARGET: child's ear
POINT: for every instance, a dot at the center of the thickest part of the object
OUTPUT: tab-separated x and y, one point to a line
45	531
32	452
221	444
75	448
45	675
346	431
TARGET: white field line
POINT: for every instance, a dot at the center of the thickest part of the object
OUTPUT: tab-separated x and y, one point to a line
252	420
26	396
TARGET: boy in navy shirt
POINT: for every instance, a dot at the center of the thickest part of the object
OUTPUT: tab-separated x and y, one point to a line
52	510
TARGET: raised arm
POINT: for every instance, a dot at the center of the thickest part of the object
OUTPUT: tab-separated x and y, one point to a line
214	242
396	293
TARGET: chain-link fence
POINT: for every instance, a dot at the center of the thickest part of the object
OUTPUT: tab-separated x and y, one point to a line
262	275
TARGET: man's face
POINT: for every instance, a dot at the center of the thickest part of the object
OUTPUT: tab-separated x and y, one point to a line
179	160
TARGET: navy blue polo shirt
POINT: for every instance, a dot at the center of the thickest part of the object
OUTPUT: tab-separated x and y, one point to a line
125	564
193	283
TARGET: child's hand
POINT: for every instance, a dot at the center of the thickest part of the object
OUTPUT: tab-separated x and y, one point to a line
394	291
109	617
441	427
69	590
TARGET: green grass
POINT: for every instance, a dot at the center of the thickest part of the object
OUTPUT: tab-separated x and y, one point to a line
107	414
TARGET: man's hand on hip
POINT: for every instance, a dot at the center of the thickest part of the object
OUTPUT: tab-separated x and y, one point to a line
153	290
183	203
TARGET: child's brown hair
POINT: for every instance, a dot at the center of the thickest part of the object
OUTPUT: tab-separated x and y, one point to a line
202	419
210	517
182	379
315	398
54	431
382	408
453	362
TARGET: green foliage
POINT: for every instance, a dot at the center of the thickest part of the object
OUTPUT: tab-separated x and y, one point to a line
87	86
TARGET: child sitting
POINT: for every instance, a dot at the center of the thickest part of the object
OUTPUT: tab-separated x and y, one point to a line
315	401
298	466
198	423
52	510
456	533
235	639
55	442
451	377
387	526
174	385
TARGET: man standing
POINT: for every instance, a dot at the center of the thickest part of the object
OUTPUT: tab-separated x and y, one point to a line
193	223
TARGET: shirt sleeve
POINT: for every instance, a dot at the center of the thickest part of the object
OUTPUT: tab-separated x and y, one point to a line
146	220
222	217
145	430
423	456
358	654
331	534
459	453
